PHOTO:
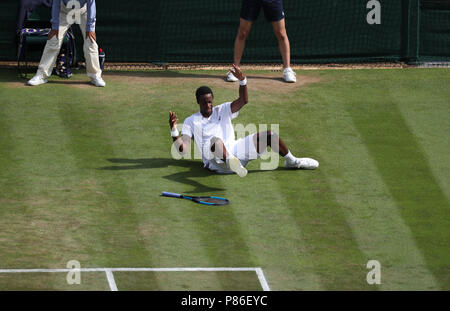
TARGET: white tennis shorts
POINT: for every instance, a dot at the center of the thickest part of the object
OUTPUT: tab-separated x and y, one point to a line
244	149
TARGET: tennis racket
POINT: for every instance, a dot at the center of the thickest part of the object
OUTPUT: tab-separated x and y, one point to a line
207	200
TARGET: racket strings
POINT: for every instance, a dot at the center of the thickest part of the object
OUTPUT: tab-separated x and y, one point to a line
217	201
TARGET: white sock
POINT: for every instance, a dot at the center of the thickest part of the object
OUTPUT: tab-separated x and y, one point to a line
289	157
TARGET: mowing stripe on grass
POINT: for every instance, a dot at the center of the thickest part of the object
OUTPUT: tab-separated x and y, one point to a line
8	161
426	112
337	259
369	209
213	222
115	213
266	224
406	173
37	219
12	212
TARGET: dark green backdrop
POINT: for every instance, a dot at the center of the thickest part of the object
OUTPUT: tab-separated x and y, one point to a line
204	30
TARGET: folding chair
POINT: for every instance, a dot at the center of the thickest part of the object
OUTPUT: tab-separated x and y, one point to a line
33	37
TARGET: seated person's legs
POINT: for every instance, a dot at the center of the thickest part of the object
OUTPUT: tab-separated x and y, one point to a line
223	161
271	139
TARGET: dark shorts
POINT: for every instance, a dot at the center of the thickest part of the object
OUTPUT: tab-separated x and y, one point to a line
273	10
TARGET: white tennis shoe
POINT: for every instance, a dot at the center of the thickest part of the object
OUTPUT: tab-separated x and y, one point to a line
37	80
289	75
236	166
98	81
302	163
231	77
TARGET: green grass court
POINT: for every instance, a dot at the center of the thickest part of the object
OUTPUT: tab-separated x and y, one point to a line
82	170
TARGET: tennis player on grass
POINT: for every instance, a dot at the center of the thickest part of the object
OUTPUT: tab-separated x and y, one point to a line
213	133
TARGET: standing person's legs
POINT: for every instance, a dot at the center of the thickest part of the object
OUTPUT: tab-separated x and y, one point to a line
239	43
279	29
274	12
51	51
90	49
249	13
228	162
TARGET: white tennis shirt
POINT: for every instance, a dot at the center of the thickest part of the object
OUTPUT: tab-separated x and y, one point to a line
218	125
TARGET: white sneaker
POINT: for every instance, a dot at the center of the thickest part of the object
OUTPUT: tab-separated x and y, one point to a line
98	81
231	77
302	163
37	80
289	75
236	166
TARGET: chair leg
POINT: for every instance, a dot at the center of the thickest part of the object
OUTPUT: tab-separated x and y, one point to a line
20	55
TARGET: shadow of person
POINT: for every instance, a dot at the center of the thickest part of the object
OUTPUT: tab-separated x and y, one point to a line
196	170
173	74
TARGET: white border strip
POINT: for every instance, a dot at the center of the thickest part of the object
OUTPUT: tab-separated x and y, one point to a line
112	283
124	269
262	279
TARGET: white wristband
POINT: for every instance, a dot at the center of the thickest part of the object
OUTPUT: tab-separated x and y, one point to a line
243	82
174	132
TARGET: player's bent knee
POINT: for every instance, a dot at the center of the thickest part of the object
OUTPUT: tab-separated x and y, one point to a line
215	140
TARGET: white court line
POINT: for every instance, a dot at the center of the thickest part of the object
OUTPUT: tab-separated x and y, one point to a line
112	283
262	279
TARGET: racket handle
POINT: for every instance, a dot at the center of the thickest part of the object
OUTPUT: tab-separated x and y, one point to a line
171	194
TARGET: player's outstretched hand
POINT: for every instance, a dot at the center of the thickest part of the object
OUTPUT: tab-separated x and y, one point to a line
173	120
236	71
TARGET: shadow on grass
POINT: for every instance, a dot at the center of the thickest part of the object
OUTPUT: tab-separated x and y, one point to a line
196	170
12	75
185	74
85	82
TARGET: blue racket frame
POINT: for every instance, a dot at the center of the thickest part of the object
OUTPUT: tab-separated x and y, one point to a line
181	196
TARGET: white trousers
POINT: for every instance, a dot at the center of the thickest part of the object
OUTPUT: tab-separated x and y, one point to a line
53	46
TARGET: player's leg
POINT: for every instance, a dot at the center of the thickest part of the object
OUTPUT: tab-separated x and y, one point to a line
239	45
274	12
239	42
249	13
219	150
50	53
268	138
279	29
90	49
273	140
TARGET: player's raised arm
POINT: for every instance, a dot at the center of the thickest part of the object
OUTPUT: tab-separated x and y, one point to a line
181	143
243	94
